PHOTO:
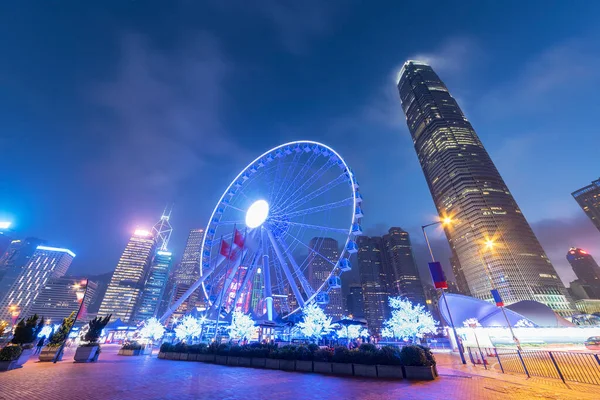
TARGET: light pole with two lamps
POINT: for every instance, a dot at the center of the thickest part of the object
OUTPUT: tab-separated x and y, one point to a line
445	221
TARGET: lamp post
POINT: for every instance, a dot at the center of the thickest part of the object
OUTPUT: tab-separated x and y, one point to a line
489	245
445	221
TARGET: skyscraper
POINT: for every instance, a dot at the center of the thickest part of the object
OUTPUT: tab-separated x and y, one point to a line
355	301
401	269
46	263
187	273
371	269
158	274
14	259
588	199
587	271
60	297
491	238
323	257
123	292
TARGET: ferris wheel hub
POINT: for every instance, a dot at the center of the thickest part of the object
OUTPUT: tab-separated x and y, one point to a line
257	214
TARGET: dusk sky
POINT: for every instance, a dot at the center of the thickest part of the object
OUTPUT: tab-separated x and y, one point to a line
110	110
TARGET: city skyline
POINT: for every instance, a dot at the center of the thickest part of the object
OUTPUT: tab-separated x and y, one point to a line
127	160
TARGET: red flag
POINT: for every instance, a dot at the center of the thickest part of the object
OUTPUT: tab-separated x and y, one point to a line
82	313
225	249
238	239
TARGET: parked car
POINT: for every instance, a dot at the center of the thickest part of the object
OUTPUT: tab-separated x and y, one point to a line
593	343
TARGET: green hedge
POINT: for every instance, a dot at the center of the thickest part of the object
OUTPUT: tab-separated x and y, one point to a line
367	354
10	353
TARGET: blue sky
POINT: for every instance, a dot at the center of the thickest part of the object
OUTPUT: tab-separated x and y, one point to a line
110	110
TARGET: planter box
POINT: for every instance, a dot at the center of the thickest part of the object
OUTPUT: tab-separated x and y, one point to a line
390	371
86	354
369	371
172	356
244	361
193	357
305	366
161	355
125	352
272	363
259	362
221	360
233	360
420	373
287	365
206	358
18	363
183	356
341	368
322	367
48	354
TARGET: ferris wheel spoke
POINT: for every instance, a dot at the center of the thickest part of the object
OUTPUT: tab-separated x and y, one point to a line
300	176
314	227
286	269
316	193
324	207
236	222
307	183
297	271
290	170
310	248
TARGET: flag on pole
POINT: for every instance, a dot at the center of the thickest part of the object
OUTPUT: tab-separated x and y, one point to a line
437	275
225	251
238	239
497	298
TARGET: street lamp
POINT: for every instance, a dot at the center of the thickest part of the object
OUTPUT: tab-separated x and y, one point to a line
444	222
489	245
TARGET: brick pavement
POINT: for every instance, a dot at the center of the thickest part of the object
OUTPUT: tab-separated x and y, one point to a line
144	377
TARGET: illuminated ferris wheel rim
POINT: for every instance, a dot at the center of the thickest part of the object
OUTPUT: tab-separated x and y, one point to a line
261	161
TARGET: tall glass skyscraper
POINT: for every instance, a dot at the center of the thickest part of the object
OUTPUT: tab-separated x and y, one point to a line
14	260
319	270
401	269
588	198
158	274
46	263
60	297
373	280
123	292
491	238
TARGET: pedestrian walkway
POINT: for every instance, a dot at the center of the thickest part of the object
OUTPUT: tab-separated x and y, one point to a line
144	377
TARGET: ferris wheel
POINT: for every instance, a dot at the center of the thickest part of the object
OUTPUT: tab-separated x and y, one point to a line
281	234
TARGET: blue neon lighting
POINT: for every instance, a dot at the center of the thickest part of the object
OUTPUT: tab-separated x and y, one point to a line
69	252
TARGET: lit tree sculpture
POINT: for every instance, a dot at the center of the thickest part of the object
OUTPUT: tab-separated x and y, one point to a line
152	329
524	323
242	326
408	320
472	323
352	332
188	328
314	322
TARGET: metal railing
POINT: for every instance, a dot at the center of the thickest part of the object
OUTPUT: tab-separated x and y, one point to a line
564	365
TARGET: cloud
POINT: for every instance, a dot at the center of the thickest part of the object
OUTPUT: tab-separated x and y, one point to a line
159	114
452	57
558	235
568	68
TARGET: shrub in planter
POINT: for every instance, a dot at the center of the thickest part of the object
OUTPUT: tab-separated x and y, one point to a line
428	355
54	349
416	363
368	347
341	355
132	346
27	330
90	351
180	347
389	355
323	355
12	357
166	348
10	353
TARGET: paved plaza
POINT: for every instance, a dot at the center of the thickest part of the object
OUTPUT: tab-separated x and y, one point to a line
145	377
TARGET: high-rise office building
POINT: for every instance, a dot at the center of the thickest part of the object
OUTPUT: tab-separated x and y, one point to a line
401	269
5	237
355	302
323	256
60	297
46	263
123	292
371	267
490	237
459	275
14	259
588	199
587	271
158	274
186	274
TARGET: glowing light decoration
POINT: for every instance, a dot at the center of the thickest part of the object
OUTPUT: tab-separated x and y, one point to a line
471	323
5	224
524	323
152	329
61	250
353	332
45	332
141	232
257	214
188	329
242	326
314	322
408	321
